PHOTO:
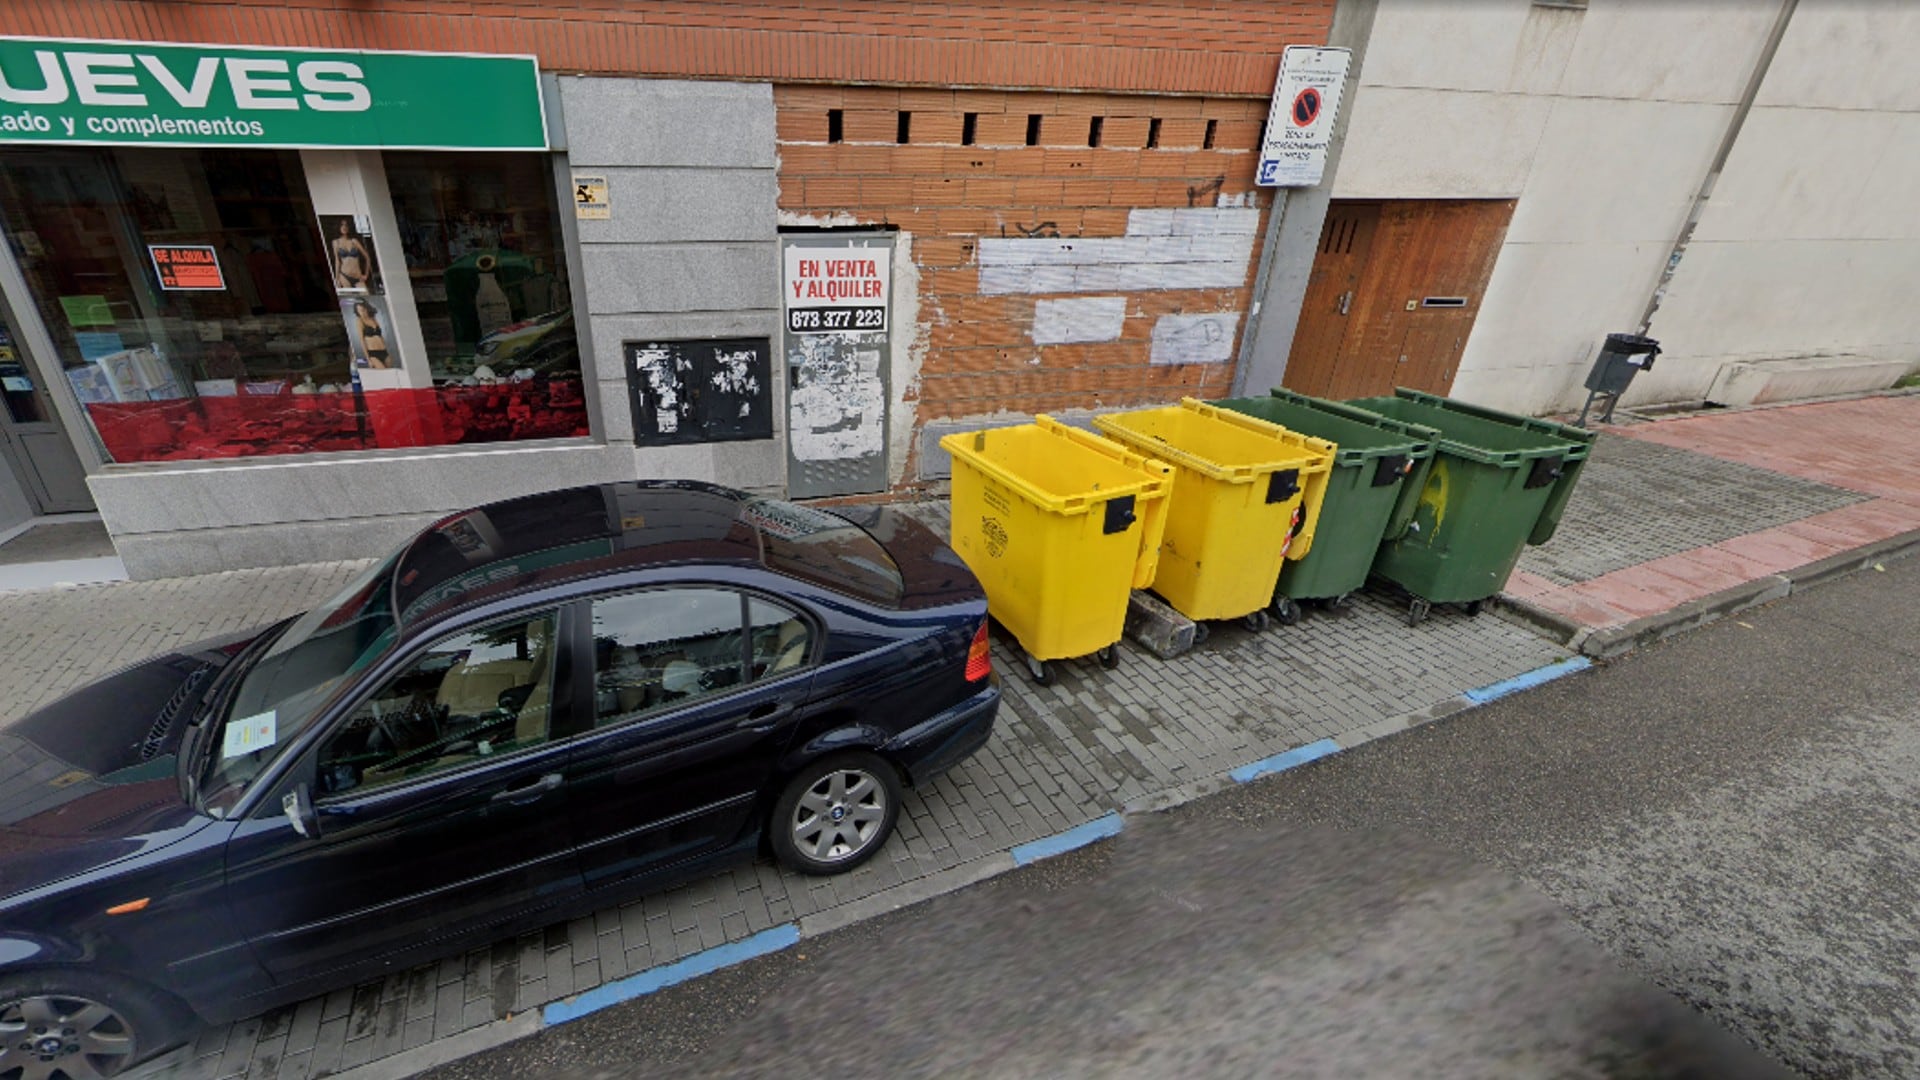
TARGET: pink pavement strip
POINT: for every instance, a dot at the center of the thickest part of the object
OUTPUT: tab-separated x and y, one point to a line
1719	560
1864	445
1526	586
1840	539
1584	610
1780	549
1701	569
1641	590
1869	445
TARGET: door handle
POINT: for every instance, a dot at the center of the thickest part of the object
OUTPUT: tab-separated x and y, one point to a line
764	716
1346	300
529	792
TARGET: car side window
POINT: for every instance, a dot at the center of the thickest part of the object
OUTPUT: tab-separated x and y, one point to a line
663	647
471	696
781	639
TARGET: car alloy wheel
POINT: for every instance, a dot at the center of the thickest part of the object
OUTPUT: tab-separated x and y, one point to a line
840	816
836	813
62	1037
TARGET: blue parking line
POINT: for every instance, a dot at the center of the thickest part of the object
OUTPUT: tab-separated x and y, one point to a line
1299	755
1077	837
659	978
1528	680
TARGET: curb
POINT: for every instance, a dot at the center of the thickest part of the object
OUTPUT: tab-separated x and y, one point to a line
498	1033
1608	642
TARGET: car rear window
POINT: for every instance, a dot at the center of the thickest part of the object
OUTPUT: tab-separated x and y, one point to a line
822	549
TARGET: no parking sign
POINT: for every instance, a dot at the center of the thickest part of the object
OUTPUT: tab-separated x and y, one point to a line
1306	98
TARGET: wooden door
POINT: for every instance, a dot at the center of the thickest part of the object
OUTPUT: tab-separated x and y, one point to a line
1425	269
1325	313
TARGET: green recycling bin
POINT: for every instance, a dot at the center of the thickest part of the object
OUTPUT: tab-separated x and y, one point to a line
1371	493
1497	482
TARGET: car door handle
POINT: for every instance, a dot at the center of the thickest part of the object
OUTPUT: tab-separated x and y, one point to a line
528	792
764	716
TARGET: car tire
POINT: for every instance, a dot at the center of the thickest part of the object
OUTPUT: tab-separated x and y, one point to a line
47	1016
835	813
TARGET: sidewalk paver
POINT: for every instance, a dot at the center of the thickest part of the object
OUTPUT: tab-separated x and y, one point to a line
1674	511
1639	500
1061	756
1666	512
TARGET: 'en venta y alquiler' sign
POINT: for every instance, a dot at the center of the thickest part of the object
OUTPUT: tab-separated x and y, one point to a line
130	93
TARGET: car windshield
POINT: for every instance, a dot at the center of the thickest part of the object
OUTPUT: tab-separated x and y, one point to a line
286	687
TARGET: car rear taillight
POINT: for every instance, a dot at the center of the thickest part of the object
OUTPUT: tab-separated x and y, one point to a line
979	656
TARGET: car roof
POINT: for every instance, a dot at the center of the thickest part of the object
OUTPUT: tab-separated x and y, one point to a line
520	545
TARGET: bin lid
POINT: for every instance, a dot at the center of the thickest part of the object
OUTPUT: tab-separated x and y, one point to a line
1217	443
1059	468
1360	436
1481	434
1531	423
1631	344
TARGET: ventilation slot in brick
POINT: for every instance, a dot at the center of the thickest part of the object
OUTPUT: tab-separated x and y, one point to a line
836	125
1213	127
1033	129
969	123
1093	131
1153	134
906	127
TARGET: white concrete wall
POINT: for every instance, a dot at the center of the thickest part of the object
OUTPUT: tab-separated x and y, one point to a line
1810	244
1601	122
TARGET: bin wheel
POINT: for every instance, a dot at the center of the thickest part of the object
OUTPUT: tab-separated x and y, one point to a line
1201	631
1109	657
1042	674
1256	621
1476	607
1343	602
1417	612
1286	611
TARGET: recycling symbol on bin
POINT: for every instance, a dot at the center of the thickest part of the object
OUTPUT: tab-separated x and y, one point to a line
996	535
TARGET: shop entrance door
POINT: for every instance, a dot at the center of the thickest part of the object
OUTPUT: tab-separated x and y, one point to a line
31	436
1393	294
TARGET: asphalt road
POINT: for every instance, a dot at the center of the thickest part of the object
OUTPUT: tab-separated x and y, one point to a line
1733	816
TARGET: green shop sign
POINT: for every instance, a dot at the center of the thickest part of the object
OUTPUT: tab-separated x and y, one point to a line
126	93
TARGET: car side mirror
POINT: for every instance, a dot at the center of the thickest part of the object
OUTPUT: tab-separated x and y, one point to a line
298	806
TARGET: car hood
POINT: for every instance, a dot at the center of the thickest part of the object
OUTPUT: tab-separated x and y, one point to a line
91	777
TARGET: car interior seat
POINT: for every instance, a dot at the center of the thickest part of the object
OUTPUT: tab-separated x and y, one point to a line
790	648
474	688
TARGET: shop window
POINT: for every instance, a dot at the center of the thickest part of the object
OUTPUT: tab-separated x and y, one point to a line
700	391
480	237
188	299
201	308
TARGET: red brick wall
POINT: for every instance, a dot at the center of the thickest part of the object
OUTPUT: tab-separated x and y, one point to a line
1159	46
979	353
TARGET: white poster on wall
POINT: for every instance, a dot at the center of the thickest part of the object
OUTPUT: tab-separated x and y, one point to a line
837	290
1306	98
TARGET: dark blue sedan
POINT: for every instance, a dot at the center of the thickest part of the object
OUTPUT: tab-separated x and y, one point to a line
534	709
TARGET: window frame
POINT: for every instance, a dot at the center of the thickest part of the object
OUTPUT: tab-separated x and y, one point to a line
587	673
559	709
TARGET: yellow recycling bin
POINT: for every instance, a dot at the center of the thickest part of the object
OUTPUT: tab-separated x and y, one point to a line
1060	526
1237	482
